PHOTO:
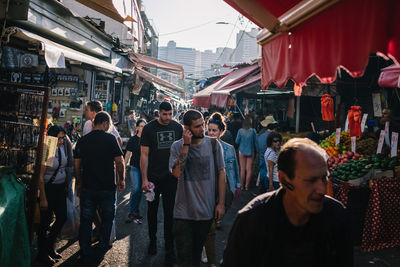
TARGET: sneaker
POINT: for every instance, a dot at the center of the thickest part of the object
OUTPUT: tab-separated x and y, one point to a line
152	249
137	221
204	256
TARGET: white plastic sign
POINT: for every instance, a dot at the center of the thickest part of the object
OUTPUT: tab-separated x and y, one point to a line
337	140
346	125
353	143
380	142
363	122
376	101
395	140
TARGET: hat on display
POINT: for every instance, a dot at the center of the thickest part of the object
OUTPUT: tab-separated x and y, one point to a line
267	121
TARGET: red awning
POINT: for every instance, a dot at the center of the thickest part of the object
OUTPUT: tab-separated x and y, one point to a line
390	77
203	99
219	98
151	62
343	35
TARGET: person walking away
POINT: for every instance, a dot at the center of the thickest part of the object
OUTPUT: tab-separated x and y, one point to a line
246	139
271	159
132	157
234	125
192	163
157	138
52	200
96	185
269	124
216	128
296	225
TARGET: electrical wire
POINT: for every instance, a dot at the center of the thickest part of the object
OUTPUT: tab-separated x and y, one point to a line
237	44
190	28
229	38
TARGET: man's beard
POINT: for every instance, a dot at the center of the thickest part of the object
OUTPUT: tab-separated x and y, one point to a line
198	136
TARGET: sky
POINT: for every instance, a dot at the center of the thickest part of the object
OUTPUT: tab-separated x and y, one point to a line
192	23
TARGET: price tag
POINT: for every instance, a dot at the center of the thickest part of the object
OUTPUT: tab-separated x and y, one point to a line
395	140
380	142
313	127
364	120
353	143
376	102
337	140
387	140
346	125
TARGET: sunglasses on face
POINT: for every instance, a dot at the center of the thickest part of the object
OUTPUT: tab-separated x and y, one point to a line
276	140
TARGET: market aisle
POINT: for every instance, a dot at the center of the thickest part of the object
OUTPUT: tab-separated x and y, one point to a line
130	248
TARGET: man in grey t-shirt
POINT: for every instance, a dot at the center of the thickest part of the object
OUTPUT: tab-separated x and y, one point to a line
192	163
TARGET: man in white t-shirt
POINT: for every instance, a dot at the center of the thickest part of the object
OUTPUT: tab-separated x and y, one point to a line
91	109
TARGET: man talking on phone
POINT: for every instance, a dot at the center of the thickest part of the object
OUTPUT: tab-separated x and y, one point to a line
296	225
192	163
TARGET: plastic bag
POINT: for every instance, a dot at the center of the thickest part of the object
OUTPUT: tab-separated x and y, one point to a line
70	229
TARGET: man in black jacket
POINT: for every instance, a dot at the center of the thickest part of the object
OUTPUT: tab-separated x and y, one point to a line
297	225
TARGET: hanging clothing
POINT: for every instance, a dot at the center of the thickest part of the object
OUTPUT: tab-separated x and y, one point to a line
327	108
354	116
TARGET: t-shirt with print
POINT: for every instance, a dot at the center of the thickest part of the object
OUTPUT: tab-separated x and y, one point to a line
97	160
159	139
272	155
195	194
134	147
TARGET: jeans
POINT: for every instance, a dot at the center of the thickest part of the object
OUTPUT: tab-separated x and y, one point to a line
136	189
190	237
90	200
56	199
166	187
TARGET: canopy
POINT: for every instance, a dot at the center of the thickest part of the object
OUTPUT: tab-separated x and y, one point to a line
390	77
55	53
105	7
203	98
153	78
344	34
151	62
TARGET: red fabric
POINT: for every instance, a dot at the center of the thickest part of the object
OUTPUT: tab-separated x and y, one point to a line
327	108
341	191
354	116
382	223
389	77
342	35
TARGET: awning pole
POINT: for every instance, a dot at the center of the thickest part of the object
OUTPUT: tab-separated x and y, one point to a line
297	114
241	113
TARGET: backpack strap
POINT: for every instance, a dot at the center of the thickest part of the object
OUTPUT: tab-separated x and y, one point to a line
53	177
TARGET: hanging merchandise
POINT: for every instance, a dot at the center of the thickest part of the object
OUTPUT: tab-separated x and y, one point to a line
354	116
327	108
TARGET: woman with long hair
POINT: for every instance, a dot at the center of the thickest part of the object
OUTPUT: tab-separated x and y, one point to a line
52	200
216	129
246	139
133	157
274	140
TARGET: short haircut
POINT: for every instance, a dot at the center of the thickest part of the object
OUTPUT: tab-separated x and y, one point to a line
191	115
55	130
165	106
236	116
95	106
287	154
218	119
140	121
271	136
101	117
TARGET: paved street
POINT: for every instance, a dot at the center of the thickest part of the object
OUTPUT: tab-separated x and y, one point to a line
130	248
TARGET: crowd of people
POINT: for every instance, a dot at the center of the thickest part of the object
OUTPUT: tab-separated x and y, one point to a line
195	165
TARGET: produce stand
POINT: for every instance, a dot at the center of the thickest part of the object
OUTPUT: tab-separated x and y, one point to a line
368	184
